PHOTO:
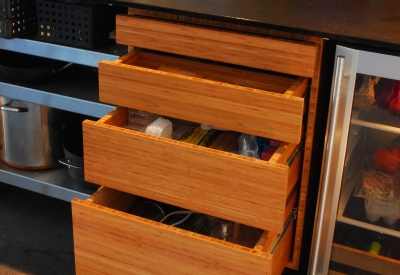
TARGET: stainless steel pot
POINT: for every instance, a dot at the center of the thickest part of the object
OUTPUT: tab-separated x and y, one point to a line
73	152
30	134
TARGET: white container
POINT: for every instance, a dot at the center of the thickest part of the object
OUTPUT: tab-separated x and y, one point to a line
375	209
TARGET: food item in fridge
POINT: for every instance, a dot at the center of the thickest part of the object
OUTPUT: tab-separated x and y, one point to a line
387	94
378	185
364	92
388	160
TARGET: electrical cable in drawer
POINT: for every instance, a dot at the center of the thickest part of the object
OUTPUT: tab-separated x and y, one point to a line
197	222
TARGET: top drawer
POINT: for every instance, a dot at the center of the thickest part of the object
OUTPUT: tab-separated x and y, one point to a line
282	56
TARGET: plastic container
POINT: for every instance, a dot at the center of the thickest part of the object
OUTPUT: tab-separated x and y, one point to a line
80	23
12	9
11	28
375	210
139	119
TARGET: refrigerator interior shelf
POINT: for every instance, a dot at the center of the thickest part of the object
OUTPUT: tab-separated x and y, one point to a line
361	118
351	209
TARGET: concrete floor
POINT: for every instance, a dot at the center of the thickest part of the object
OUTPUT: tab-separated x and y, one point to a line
35	234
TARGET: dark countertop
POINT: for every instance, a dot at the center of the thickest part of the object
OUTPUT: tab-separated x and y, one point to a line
367	22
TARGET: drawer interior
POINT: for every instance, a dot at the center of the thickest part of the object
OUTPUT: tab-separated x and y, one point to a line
261	103
250	191
101	218
219	72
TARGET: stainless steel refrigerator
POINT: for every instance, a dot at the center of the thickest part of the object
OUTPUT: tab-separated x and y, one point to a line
357	223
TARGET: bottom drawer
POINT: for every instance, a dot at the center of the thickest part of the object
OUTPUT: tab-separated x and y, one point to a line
109	240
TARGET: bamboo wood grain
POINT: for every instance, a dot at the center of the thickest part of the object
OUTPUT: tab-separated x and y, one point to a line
253	111
241	189
229	47
314	94
107	241
364	260
221	25
316	91
311	112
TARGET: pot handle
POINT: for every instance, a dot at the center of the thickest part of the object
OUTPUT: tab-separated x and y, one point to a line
68	162
56	71
9	108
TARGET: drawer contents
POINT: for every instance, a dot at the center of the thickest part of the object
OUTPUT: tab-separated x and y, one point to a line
79	23
17	18
160	127
196	222
219	183
139	120
202	135
104	228
223	96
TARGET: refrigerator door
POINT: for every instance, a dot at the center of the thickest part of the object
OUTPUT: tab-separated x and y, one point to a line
358	205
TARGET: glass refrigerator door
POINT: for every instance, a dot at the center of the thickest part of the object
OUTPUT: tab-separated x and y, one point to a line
357	225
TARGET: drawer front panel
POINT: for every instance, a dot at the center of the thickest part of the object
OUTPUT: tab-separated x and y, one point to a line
234	48
249	191
238	108
107	241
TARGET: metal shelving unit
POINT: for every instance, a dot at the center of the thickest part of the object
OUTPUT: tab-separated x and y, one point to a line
74	90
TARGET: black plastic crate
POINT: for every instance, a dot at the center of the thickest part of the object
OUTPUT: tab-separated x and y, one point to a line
10	28
80	23
12	9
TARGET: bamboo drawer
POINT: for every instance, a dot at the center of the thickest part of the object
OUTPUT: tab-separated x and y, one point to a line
364	260
110	240
249	191
266	53
256	102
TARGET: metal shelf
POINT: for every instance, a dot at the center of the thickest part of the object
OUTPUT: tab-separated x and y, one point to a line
75	89
54	182
87	57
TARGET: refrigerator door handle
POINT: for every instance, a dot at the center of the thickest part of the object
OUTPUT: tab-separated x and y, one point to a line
332	166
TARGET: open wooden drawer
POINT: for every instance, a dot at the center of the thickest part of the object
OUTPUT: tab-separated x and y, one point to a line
109	240
254	192
246	100
364	260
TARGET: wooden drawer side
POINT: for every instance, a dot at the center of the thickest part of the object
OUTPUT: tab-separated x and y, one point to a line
238	108
246	50
249	191
108	241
